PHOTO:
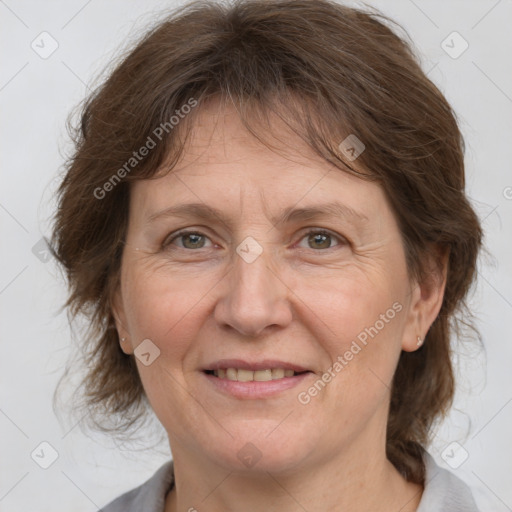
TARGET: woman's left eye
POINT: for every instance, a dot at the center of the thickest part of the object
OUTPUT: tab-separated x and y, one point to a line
320	239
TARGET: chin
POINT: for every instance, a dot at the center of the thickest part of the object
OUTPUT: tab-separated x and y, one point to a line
258	451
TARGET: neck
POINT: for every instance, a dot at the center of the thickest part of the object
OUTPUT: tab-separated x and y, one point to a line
347	482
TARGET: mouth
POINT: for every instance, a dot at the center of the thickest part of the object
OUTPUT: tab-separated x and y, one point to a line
253	380
243	375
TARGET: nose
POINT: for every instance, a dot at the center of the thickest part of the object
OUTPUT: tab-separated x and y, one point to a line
253	298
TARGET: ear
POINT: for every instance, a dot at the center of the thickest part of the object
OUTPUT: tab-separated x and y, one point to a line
426	299
118	312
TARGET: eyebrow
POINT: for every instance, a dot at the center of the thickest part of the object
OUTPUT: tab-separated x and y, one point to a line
288	215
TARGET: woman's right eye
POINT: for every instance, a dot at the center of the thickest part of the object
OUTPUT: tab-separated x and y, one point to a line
189	240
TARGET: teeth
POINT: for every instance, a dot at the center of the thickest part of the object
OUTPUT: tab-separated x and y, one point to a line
242	375
262	375
245	375
277	373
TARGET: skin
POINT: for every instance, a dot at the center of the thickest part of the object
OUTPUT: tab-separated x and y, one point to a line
303	300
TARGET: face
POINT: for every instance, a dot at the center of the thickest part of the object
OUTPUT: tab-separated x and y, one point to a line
285	269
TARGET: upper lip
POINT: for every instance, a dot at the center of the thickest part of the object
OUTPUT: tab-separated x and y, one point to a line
265	364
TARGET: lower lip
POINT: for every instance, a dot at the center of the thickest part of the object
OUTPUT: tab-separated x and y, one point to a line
255	389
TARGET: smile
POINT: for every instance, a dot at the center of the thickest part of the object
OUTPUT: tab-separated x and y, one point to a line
243	375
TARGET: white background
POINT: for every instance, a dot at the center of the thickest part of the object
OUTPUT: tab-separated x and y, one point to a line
37	94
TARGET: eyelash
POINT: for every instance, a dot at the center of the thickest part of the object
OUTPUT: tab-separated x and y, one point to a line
342	240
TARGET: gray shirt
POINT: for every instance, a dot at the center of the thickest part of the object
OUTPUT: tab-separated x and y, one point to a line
444	492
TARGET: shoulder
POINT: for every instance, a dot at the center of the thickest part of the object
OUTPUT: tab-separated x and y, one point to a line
150	496
444	490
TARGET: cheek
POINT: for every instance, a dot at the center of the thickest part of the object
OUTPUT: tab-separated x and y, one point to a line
358	322
354	306
164	308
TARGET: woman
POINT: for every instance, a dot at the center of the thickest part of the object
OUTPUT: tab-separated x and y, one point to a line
265	221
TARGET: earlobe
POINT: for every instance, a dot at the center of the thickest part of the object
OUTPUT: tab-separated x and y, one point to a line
126	346
124	341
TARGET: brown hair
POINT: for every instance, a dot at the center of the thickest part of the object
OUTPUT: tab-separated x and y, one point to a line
328	71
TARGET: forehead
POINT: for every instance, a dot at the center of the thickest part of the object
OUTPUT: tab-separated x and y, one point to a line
225	164
219	136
